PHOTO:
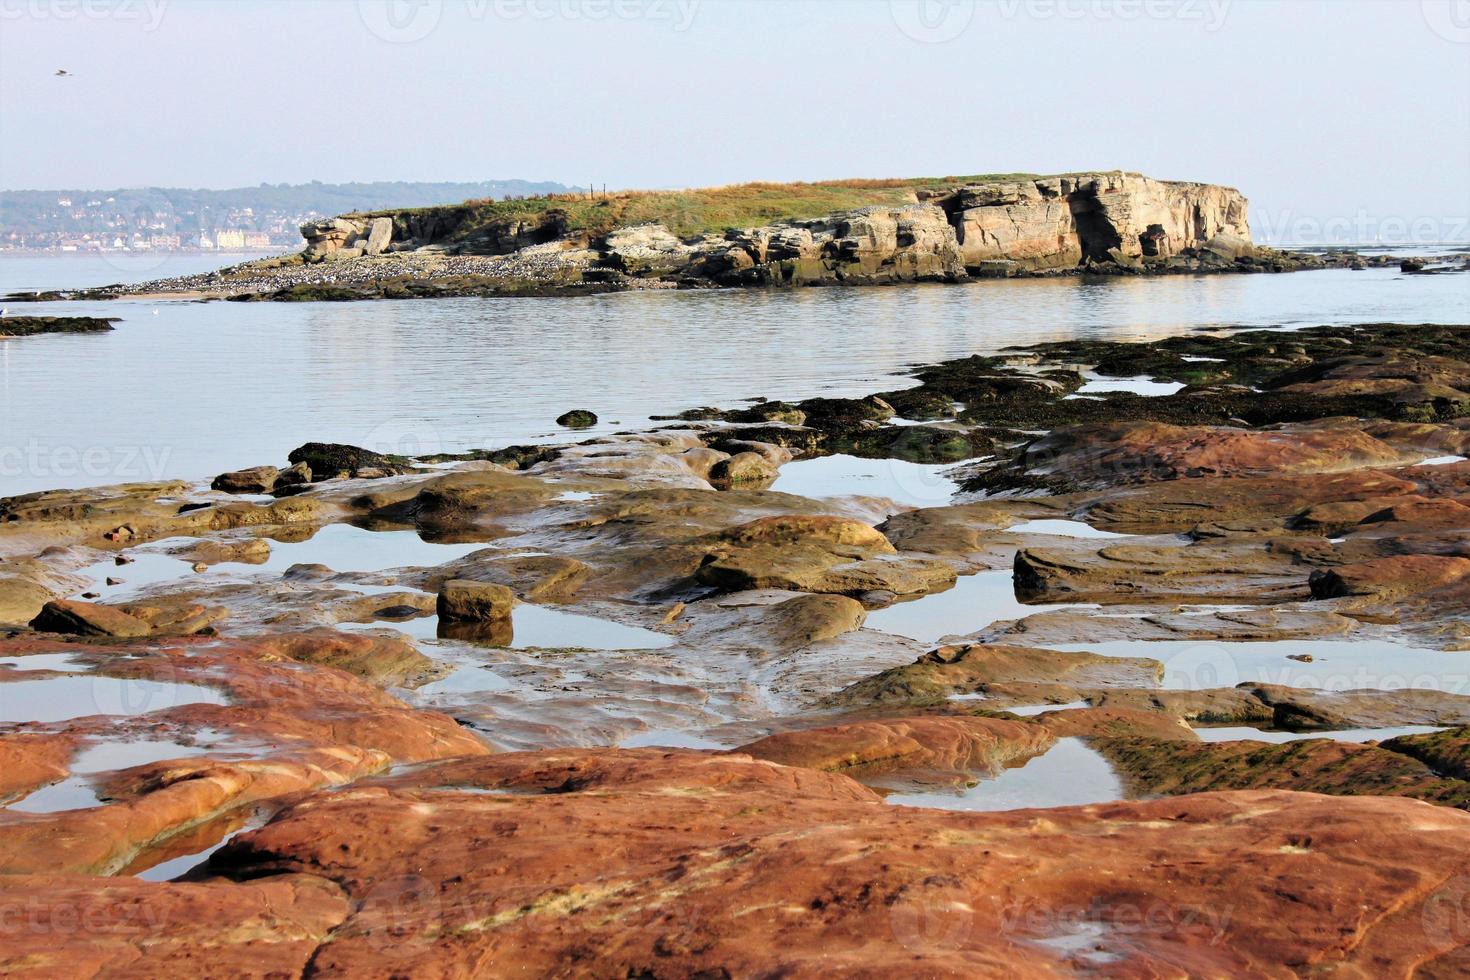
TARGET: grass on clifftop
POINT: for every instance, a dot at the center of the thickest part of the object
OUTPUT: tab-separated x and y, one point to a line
711	209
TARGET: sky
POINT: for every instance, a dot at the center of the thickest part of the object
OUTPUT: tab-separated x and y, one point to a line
1345	114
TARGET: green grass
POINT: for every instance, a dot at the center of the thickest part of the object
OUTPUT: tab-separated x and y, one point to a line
709	209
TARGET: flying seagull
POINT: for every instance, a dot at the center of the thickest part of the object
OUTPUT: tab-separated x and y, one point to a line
62	73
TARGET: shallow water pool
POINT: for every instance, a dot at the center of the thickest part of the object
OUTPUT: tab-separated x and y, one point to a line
1235	733
909	484
974	603
1068	774
80	695
1337	665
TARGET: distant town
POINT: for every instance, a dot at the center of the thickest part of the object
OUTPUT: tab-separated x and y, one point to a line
260	218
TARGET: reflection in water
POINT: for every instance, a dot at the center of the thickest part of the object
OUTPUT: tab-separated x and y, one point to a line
910	484
1235	733
1038	709
974	603
188	850
669	739
533	626
1133	386
1336	665
1068	774
77	696
146	569
1063	529
347	548
78	791
410	376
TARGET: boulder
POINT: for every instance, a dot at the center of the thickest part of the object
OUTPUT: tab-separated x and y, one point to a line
76	618
816	554
296	475
257	479
475	602
742	469
383	659
380	234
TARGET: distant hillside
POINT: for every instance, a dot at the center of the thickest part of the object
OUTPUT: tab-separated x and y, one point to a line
48	218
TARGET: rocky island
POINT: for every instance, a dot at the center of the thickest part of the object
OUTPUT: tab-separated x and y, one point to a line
855	232
620	707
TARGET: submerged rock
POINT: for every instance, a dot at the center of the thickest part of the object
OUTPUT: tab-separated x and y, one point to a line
577	418
30	326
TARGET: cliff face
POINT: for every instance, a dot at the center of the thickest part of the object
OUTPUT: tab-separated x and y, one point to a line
1111	219
1064	221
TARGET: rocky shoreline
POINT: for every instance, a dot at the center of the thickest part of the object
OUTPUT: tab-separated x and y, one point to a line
623	706
1089	224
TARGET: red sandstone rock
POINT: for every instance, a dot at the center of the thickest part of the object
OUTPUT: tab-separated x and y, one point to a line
301	728
1121	453
1115	722
1423	514
384	659
915	748
28	761
687	878
88	619
73	926
1387	578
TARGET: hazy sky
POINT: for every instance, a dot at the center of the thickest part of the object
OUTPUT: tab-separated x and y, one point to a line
1353	111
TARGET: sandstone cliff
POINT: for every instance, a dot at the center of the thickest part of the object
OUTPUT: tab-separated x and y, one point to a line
1113	220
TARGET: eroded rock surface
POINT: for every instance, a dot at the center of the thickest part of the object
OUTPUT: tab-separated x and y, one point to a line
169	681
740	871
